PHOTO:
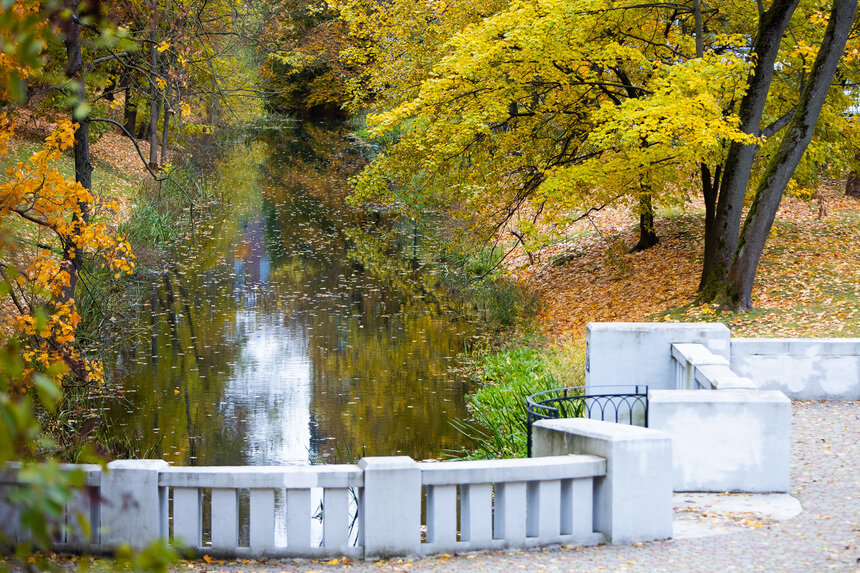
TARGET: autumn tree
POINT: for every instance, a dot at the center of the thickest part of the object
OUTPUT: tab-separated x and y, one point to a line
734	253
47	223
547	109
393	45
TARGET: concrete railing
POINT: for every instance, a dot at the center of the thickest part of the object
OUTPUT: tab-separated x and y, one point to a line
368	510
696	368
687	356
737	438
83	505
555	495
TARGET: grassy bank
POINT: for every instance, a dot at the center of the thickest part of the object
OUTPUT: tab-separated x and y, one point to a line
502	379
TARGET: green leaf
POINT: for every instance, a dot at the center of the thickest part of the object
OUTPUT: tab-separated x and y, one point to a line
49	393
82	111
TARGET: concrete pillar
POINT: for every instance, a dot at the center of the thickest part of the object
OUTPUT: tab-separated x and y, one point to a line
133	506
726	440
390	507
633	502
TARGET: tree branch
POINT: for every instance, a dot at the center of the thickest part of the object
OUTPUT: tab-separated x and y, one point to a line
778	124
140	154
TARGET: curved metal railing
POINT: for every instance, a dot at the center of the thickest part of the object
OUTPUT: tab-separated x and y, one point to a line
619	404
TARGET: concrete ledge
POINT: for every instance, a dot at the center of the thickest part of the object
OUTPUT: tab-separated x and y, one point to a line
633	502
802	368
731	440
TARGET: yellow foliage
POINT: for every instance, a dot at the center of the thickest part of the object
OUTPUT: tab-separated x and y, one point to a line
550	107
47	221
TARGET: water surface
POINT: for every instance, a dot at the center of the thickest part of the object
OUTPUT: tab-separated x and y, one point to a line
293	328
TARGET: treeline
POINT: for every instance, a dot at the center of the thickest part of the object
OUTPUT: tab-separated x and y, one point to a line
164	72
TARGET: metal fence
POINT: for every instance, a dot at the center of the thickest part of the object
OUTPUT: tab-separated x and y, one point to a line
619	404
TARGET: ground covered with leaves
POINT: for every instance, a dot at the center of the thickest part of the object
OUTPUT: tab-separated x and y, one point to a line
808	283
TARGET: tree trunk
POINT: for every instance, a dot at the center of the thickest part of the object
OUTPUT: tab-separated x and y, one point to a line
647	236
697	17
154	98
710	187
781	167
165	125
736	172
852	186
72	254
129	111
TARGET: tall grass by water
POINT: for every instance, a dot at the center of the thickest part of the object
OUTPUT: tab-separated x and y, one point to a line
504	379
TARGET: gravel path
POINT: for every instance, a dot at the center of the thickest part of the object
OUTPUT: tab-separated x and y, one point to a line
825	477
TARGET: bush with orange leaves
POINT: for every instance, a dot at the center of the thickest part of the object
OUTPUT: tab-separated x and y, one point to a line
45	220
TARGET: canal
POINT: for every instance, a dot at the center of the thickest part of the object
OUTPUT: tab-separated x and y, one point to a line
290	327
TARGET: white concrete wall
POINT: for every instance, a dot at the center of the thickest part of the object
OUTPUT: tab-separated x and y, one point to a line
802	368
727	440
629	353
633	502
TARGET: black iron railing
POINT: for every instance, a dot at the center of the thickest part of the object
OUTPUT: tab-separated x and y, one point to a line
619	404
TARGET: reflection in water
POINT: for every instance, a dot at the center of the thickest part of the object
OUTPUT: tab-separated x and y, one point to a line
292	328
269	395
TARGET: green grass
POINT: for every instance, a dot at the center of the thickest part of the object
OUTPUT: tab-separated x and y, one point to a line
147	224
504	379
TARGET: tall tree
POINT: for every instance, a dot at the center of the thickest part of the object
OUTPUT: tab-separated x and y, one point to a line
72	253
721	243
738	288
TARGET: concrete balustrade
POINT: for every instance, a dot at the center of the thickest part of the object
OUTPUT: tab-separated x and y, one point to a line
369	510
510	503
83	505
633	500
288	497
687	356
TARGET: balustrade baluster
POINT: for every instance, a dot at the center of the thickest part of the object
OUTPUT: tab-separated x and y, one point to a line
298	518
544	506
476	511
262	519
225	518
509	521
442	514
187	516
335	517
